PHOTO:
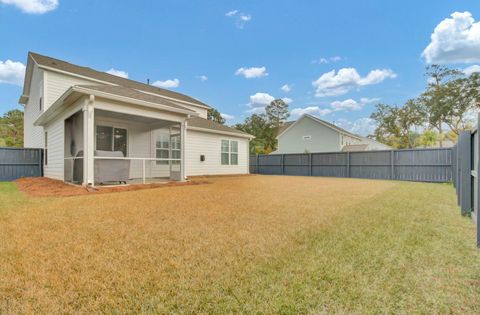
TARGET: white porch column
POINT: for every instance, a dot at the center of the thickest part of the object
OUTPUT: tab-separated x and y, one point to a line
88	142
183	140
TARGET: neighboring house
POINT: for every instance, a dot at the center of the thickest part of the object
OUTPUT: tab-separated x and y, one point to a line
311	134
81	117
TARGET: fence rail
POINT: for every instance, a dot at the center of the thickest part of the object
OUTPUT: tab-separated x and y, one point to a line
20	162
423	165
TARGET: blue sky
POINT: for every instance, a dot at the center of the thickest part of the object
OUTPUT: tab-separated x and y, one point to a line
337	58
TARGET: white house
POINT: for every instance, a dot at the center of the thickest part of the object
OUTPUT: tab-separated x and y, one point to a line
312	134
95	126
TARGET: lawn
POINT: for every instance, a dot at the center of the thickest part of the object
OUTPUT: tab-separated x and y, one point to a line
249	244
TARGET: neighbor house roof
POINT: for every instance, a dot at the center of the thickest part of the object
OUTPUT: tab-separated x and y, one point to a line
289	124
60	65
202	123
354	147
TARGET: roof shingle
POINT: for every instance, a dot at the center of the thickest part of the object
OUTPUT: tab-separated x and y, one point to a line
113	79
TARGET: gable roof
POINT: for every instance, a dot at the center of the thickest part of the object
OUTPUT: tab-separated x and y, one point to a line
290	124
202	123
60	65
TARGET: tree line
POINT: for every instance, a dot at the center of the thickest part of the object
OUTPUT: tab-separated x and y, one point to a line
11	129
439	113
263	126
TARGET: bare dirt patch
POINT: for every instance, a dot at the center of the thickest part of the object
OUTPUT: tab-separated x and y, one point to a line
47	187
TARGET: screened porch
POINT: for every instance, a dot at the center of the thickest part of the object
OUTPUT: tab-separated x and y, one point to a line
127	149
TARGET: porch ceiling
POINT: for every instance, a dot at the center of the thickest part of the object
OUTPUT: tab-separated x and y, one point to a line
132	118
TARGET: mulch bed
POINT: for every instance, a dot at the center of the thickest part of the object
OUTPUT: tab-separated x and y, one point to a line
47	187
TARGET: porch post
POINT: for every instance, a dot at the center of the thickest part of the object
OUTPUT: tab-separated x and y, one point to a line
88	142
183	139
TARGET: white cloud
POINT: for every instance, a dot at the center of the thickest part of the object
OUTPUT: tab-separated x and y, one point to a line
118	73
227	116
286	88
12	72
350	104
346	105
454	40
245	17
240	18
325	60
231	13
338	83
311	110
260	100
253	72
471	69
167	83
203	78
336	106
362	126
33	6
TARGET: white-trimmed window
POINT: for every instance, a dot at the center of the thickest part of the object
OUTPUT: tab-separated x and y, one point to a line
225	152
111	139
229	155
234	152
176	149
162	147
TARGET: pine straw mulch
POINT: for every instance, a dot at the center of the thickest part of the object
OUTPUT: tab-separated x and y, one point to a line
47	187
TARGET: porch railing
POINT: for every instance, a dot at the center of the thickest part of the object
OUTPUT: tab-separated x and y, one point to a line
171	162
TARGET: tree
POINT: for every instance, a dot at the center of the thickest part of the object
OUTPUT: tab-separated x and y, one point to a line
215	115
11	129
277	113
428	138
395	124
259	126
437	100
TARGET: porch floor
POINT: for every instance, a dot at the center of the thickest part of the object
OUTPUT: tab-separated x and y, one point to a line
136	181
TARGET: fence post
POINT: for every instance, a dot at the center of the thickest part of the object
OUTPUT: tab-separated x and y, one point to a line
283	164
348	164
310	173
257	166
477	182
392	164
465	172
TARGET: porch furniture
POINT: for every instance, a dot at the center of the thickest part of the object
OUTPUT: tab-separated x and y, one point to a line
111	170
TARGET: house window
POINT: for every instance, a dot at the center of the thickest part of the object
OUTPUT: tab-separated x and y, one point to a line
229	152
45	158
162	147
111	139
41	103
234	152
176	149
225	152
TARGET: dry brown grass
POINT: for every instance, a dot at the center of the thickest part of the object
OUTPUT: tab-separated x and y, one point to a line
183	249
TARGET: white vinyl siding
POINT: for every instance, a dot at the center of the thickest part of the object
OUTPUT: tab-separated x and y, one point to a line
209	144
55	154
57	83
33	135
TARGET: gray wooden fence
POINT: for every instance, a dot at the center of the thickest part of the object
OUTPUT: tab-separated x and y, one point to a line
422	165
20	162
466	176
